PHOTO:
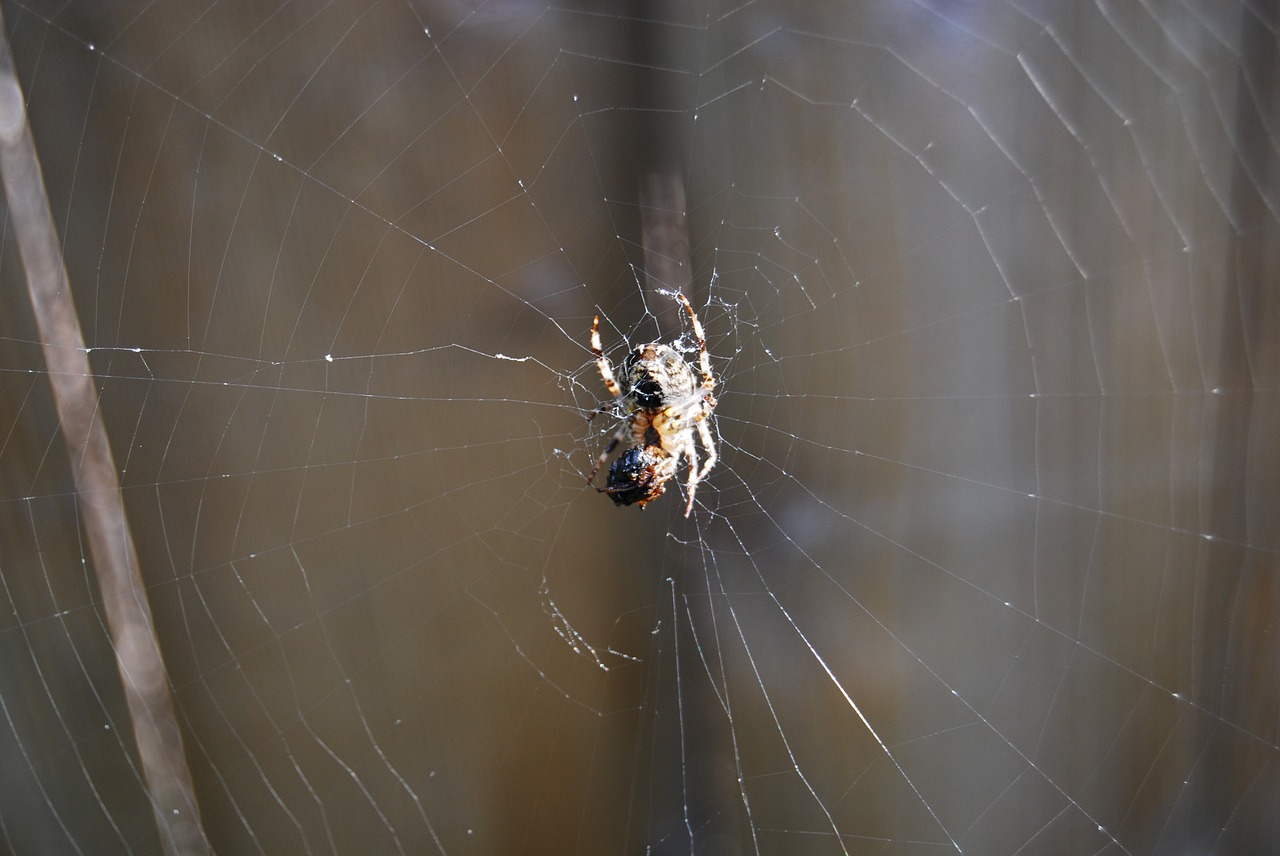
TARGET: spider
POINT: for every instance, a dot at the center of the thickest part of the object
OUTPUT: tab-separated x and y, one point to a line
663	403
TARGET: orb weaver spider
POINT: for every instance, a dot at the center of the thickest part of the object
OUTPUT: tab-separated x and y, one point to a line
664	403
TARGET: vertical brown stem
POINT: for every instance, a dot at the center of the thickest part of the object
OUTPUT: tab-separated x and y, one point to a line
124	598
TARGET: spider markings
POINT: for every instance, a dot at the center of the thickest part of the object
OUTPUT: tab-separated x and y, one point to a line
663	404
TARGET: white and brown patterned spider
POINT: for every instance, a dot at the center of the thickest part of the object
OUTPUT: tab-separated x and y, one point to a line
663	404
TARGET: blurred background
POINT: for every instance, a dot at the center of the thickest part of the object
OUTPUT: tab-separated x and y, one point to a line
989	560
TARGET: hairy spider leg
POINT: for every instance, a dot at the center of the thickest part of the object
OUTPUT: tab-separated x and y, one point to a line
611	384
609	447
708	385
704	434
602	362
704	360
689	451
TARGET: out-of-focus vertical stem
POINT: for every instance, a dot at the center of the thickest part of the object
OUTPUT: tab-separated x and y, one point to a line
142	671
662	135
665	232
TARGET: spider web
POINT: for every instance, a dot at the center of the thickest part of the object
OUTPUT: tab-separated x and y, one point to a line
989	560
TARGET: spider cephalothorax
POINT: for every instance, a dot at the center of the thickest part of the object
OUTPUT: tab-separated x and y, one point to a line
664	403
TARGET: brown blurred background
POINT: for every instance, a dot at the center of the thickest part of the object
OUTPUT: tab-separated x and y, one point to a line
989	560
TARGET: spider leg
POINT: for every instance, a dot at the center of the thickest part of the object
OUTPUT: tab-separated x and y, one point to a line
708	443
704	361
607	405
602	362
609	447
696	475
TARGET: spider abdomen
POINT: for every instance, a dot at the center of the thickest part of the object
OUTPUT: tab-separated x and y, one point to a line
654	376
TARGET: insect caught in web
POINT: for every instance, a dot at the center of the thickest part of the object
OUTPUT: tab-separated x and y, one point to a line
664	401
